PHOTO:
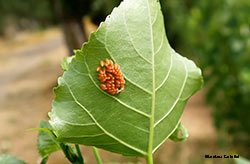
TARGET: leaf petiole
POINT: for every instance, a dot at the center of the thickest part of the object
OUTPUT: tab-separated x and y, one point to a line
97	156
80	158
150	159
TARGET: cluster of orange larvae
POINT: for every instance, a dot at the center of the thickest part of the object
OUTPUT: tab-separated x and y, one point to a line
111	77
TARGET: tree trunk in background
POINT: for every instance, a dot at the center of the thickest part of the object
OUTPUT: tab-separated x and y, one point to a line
74	34
73	28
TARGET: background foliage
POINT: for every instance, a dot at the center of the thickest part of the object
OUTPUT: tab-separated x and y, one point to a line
26	14
216	33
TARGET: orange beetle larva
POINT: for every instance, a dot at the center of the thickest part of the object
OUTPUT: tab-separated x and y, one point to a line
111	77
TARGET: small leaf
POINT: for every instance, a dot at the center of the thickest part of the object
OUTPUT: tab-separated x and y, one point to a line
182	130
47	143
158	84
9	159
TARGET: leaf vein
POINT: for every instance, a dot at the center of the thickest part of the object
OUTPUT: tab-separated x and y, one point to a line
162	39
139	128
181	91
130	38
86	74
165	79
73	124
86	136
155	18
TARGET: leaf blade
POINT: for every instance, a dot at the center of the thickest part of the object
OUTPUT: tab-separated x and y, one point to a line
158	83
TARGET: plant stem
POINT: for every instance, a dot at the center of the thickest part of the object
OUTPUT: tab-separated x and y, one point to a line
150	159
97	156
79	153
71	155
65	151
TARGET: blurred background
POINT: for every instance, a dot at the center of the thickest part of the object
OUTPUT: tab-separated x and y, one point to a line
36	35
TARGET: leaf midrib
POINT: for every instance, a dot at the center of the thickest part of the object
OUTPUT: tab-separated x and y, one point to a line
151	126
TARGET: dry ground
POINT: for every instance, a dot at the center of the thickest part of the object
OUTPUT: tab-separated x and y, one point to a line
30	65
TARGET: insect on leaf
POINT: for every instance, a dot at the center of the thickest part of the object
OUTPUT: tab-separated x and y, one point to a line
158	84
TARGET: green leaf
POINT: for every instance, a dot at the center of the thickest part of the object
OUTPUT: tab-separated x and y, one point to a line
47	143
158	84
180	129
9	159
